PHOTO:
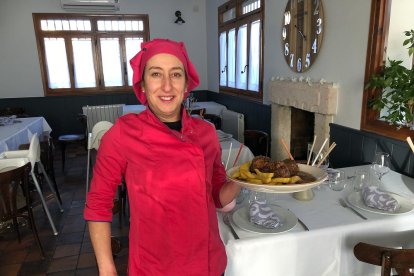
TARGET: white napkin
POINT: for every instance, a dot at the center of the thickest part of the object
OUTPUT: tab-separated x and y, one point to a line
377	199
261	214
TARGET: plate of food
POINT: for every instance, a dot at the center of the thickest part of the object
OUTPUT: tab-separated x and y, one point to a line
267	176
405	205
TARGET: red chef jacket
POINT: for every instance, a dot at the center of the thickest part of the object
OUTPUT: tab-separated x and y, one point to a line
173	181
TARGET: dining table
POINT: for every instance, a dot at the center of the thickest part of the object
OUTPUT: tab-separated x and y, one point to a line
20	131
326	248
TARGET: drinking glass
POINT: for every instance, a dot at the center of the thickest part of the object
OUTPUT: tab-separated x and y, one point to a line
381	164
361	180
337	180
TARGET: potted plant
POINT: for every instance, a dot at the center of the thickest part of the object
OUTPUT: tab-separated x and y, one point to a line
397	89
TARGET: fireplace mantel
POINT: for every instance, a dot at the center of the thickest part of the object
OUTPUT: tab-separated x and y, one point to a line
318	98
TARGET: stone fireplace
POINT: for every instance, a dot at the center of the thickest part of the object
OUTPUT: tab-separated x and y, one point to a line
318	98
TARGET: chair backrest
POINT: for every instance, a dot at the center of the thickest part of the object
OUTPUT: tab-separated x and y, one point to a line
34	150
99	113
9	181
257	141
214	119
399	259
98	131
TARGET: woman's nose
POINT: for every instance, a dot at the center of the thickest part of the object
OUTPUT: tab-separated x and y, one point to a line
167	84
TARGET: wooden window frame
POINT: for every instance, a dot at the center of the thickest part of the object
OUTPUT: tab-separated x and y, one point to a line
239	20
94	34
376	54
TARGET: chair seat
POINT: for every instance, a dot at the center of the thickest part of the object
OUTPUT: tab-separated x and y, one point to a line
11	164
71	137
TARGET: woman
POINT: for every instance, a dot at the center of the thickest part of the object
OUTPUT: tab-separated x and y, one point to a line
171	163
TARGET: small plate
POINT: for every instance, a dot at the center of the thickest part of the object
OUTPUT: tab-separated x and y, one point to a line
318	173
355	199
288	220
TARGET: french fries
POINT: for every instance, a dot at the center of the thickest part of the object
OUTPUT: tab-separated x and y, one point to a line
262	178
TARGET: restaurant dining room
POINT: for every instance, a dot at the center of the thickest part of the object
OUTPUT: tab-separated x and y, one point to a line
288	152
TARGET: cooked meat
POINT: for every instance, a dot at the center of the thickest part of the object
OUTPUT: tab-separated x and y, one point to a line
286	168
280	169
261	163
292	166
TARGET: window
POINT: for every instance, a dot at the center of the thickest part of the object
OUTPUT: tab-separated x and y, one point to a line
376	57
241	47
86	54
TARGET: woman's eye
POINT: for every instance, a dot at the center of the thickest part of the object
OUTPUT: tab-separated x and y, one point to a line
155	74
177	75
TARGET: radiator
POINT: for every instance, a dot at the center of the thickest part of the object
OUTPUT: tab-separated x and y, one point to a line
99	113
233	122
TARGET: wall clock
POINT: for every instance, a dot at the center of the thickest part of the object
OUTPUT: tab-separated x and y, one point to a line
302	33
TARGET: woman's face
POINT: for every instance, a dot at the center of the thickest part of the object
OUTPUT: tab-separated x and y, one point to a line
164	85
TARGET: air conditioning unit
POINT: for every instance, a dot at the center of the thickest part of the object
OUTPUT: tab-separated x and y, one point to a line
90	5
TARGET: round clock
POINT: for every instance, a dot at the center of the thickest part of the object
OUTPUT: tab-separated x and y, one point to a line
302	33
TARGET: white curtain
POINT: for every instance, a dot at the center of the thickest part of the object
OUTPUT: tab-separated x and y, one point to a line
132	46
111	61
254	56
231	62
83	62
223	59
241	69
57	63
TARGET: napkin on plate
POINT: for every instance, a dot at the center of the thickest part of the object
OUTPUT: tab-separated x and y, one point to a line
377	199
261	214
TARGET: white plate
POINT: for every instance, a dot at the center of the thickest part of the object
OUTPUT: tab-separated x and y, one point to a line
355	199
287	218
318	173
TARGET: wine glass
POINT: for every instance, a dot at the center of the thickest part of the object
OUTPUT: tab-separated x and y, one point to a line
381	164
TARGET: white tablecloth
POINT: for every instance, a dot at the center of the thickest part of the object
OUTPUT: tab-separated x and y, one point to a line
12	136
327	249
211	108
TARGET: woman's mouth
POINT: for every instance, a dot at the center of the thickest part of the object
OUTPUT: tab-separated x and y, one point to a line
166	98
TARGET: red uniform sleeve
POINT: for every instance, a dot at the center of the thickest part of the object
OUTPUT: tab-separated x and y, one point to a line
219	176
107	175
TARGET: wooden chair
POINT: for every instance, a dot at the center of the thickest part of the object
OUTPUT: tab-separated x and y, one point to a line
216	120
15	172
399	259
257	141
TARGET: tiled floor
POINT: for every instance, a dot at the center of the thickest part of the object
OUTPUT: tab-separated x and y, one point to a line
69	253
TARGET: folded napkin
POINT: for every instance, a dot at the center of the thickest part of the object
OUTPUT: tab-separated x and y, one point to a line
261	214
375	198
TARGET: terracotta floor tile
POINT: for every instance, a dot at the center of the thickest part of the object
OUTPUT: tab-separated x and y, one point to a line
67	250
10	270
63	264
86	260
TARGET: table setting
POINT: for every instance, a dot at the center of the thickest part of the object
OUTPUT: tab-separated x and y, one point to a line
19	131
270	229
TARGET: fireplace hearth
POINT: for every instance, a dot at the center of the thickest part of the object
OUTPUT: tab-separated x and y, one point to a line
321	99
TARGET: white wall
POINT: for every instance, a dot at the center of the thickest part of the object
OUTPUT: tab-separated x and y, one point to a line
341	60
19	64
